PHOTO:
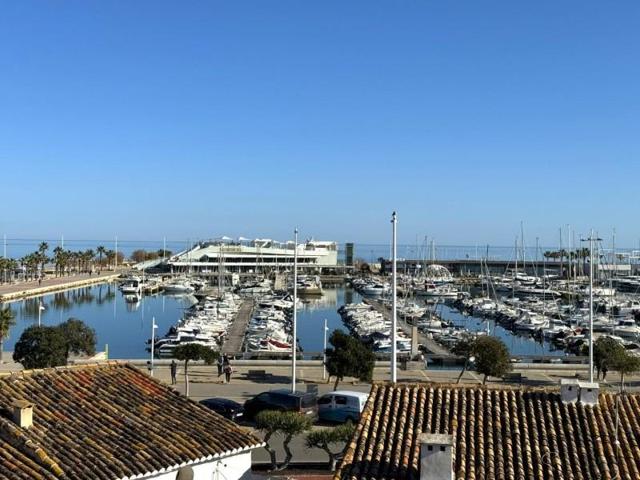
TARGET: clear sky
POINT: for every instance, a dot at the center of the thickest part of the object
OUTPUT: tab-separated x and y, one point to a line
203	118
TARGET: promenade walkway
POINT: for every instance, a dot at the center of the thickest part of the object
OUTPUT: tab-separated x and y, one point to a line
15	291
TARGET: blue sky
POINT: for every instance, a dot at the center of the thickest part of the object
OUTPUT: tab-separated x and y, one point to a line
195	119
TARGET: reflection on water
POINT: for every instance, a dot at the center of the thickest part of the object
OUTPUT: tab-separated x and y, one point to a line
517	344
312	315
124	326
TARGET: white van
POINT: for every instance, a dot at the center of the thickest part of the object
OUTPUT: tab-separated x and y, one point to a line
342	406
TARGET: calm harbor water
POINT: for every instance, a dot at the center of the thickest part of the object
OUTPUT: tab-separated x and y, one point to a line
126	327
518	344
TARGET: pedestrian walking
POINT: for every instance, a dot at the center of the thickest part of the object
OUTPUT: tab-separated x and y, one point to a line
227	373
174	372
220	365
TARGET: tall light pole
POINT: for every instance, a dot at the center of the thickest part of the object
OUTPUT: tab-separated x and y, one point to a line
153	341
294	343
4	255
591	239
324	352
394	306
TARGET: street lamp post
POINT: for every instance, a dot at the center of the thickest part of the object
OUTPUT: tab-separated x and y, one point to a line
394	317
153	341
294	343
324	352
591	239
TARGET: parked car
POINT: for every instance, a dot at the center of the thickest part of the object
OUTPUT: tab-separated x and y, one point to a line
341	406
282	400
227	408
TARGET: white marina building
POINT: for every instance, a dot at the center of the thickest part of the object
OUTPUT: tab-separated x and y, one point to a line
259	256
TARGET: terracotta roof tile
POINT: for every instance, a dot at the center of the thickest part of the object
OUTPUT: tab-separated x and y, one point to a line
498	432
106	421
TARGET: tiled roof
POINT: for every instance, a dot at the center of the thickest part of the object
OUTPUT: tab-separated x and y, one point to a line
498	433
106	421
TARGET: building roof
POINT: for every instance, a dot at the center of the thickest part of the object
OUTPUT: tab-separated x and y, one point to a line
107	421
497	433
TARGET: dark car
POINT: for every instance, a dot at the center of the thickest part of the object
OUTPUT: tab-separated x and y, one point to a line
283	400
227	408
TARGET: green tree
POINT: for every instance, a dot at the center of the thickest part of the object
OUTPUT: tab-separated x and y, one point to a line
466	348
328	437
101	251
193	352
79	337
605	350
349	358
625	364
41	347
289	424
7	320
492	357
42	255
138	256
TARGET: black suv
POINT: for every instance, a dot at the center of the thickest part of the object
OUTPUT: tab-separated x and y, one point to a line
282	400
227	408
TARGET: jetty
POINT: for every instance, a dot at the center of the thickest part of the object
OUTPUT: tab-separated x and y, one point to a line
430	344
235	336
16	291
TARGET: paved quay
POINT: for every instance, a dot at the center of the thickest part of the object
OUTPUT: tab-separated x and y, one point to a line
15	291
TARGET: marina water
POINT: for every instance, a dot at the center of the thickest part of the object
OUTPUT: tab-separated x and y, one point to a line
126	327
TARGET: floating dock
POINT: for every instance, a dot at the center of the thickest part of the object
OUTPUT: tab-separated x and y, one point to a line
235	336
430	344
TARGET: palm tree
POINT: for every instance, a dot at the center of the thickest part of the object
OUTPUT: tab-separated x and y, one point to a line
111	255
7	320
101	251
42	251
87	256
58	254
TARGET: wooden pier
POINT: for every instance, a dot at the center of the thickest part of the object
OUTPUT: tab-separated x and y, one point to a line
430	344
235	335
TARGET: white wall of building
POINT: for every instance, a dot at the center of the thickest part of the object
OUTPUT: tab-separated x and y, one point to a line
233	467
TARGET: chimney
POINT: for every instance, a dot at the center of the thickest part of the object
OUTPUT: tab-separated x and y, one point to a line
436	456
22	413
589	393
569	390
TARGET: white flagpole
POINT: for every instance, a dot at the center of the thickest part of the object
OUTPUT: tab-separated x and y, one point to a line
394	318
153	341
295	309
324	352
591	307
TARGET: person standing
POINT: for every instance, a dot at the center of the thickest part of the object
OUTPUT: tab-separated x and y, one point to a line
174	372
227	373
220	365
